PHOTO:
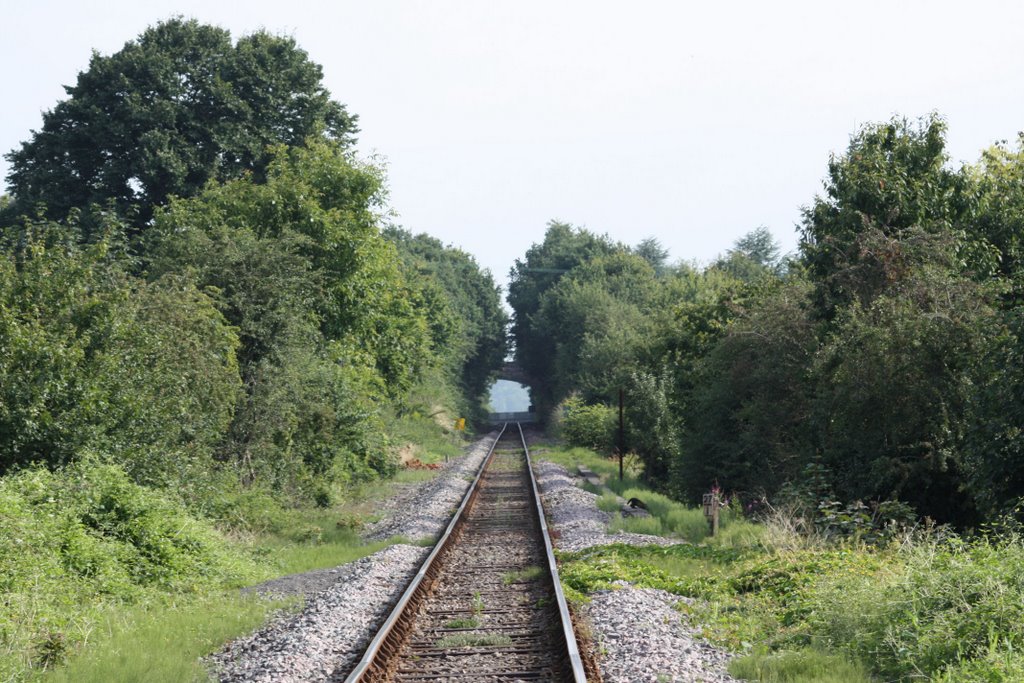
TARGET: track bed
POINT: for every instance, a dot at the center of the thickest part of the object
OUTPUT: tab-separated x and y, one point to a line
487	607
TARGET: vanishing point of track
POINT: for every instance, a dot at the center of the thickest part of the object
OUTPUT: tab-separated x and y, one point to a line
486	605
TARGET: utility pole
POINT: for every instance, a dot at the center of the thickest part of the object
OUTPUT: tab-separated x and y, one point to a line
622	432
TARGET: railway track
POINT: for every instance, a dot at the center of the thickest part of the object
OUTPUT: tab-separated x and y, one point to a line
486	605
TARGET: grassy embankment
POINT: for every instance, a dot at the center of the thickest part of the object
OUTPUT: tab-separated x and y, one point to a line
921	606
103	579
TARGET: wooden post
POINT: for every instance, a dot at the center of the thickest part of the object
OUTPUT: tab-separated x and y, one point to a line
622	433
711	505
714	515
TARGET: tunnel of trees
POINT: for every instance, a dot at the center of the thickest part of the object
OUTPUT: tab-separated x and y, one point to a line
881	363
209	332
196	277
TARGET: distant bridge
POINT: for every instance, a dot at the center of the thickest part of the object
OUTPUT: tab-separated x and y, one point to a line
498	418
513	372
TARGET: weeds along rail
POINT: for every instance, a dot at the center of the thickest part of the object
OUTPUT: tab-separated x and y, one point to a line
486	605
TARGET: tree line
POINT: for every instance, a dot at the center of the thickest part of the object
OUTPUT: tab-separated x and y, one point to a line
197	281
880	364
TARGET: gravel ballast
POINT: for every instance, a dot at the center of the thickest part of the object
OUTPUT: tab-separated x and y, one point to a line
641	637
638	634
573	512
345	605
332	630
424	511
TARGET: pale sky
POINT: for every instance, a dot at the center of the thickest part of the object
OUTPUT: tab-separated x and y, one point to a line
690	122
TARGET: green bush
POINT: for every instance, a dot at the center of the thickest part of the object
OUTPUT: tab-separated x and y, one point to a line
93	359
236	508
75	539
589	426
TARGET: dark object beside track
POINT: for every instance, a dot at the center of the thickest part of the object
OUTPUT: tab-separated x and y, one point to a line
486	605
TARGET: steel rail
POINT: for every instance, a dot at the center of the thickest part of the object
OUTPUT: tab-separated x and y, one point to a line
378	642
578	672
382	644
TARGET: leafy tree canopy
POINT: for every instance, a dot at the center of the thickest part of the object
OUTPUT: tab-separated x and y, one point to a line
176	107
652	251
893	177
1000	214
564	247
760	246
318	203
752	256
477	347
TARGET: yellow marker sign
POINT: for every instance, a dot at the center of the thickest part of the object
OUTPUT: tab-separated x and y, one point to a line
460	424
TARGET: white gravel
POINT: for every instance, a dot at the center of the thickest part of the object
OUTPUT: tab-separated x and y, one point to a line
332	630
639	635
574	514
344	605
423	511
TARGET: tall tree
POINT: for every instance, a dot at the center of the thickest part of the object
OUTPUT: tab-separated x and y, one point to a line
651	250
753	256
594	322
176	107
894	385
995	442
476	349
893	177
747	423
329	326
564	247
760	246
999	221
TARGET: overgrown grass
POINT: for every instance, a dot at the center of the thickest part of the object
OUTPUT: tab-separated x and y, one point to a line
932	608
668	517
938	606
428	443
608	501
800	609
638	525
77	543
330	547
97	571
607	468
798	666
163	642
